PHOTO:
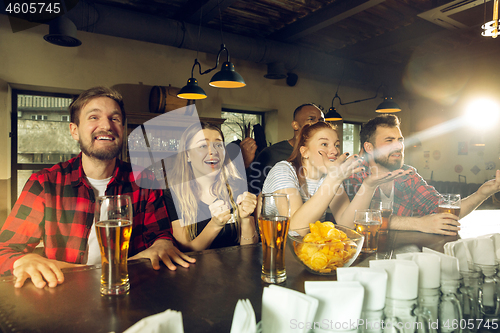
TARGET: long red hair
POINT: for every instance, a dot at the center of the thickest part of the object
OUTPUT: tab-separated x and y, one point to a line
305	134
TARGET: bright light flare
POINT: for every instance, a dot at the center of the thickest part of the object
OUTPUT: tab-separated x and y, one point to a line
482	114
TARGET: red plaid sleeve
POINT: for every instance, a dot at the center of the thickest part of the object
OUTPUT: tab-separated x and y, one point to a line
57	206
353	183
415	196
22	230
412	195
151	220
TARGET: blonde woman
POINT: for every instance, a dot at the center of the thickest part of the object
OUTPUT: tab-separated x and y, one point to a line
313	175
200	199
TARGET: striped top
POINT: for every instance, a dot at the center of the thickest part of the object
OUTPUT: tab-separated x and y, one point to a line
283	176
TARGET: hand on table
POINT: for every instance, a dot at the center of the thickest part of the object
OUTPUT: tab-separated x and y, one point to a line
220	212
41	270
248	148
165	250
246	204
441	223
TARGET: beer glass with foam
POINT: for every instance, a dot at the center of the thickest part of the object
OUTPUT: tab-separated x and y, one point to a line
113	223
274	222
367	222
450	203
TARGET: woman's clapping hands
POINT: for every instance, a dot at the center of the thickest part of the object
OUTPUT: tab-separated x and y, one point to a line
220	212
246	204
343	167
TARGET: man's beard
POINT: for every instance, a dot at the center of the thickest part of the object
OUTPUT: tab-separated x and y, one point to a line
391	166
104	154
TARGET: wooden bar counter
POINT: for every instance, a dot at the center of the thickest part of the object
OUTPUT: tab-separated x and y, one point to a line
206	293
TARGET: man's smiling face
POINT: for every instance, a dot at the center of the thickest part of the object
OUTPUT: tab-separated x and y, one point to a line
100	129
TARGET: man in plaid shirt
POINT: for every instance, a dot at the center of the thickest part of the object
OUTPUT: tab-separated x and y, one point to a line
414	201
57	204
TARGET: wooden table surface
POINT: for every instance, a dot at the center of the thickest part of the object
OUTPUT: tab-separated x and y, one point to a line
206	293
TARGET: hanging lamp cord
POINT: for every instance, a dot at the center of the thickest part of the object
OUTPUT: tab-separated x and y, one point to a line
222	46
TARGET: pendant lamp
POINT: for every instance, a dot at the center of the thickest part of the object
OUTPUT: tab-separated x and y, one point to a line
227	77
388	106
333	115
192	90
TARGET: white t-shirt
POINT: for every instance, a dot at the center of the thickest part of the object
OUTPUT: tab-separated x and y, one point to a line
283	176
385	198
93	252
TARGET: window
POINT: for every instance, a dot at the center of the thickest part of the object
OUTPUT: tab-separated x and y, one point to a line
236	121
40	134
38	117
350	140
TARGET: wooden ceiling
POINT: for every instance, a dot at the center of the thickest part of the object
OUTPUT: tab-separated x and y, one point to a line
379	32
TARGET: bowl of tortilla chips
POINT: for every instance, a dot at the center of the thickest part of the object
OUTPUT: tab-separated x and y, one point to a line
323	246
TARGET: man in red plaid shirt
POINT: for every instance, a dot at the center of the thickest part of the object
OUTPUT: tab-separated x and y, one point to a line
56	205
414	201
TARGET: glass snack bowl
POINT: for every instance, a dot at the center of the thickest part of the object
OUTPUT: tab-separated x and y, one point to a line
322	247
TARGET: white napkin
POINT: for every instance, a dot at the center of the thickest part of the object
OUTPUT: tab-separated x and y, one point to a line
402	278
496	242
168	321
459	250
483	251
340	303
284	309
244	318
374	280
449	265
429	268
480	251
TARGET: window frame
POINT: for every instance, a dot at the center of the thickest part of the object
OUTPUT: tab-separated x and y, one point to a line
233	110
352	123
15	166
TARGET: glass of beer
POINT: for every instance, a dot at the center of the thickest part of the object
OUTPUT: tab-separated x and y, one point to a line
450	203
113	223
274	221
367	222
385	208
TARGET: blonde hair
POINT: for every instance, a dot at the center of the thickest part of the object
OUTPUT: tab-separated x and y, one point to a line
187	189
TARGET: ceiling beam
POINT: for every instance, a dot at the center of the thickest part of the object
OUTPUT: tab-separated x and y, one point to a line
209	9
399	38
186	12
322	18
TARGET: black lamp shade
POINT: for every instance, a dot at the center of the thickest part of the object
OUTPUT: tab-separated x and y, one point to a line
333	115
388	106
227	77
191	90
